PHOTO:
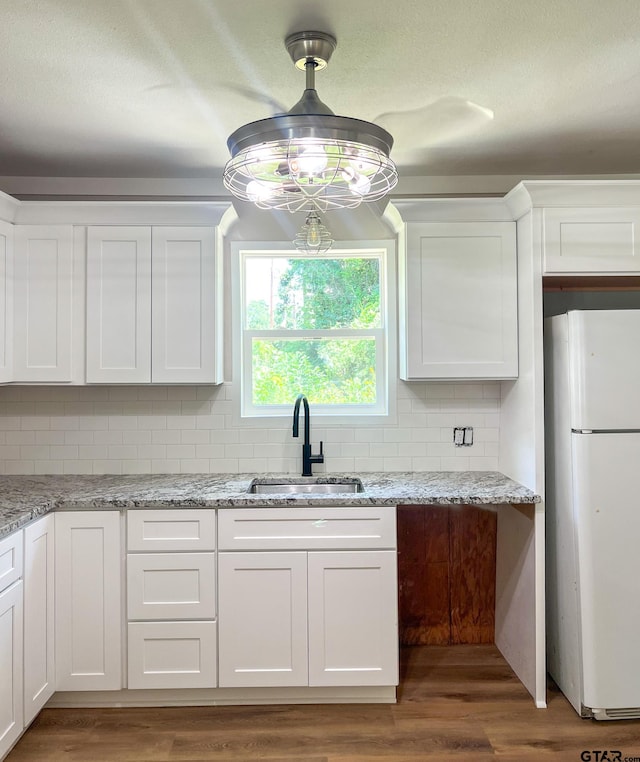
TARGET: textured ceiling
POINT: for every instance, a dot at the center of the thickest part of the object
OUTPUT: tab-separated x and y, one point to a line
153	88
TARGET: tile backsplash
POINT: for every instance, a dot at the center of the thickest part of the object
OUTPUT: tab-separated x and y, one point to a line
193	429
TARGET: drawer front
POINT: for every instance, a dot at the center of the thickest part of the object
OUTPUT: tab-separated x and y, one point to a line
307	528
191	529
11	549
172	655
171	586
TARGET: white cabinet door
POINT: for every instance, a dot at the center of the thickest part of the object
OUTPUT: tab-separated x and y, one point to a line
39	664
262	619
171	586
592	240
88	630
43	278
353	623
172	655
458	301
185	293
11	709
11	555
6	301
118	305
166	529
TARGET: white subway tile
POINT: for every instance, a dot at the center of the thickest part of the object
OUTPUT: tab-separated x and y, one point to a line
281	465
19	437
368	434
136	437
224	466
77	466
165	466
19	467
152	452
377	450
426	464
412	420
9	452
123	452
120	393
153	393
238	451
412	449
397	435
93	452
194	466
363	464
50	437
181	451
36	423
195	408
78	437
64	452
253	436
122	422
152	422
107	437
195	436
34	452
455	464
10	422
397	464
166	407
136	466
483	464
166	437
340	465
354	450
107	466
210	421
182	393
92	422
136	407
49	467
492	449
181	421
64	422
210	451
253	465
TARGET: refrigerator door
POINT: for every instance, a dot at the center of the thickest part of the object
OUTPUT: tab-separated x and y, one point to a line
607	518
604	350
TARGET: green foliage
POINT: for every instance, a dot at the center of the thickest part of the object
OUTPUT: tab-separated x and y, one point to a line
318	294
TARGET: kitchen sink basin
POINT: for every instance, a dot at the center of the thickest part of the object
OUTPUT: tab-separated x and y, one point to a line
305	486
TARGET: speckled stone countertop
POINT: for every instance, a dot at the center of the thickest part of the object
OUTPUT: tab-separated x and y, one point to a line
23	498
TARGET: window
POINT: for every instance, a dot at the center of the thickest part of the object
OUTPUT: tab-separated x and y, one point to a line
314	325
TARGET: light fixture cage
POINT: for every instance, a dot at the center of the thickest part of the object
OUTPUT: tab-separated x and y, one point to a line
309	159
313	237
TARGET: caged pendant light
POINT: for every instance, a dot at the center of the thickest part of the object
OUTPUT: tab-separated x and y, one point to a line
309	159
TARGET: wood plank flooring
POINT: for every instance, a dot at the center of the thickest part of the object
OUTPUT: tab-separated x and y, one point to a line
455	703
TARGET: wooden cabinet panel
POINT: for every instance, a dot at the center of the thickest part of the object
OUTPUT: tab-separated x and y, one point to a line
39	621
473	574
446	570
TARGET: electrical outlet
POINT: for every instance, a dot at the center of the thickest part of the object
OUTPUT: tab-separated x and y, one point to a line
463	436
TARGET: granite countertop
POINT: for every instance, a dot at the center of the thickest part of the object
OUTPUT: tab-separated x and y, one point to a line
23	498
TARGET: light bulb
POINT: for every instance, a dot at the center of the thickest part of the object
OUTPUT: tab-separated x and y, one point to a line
313	231
311	161
360	185
257	191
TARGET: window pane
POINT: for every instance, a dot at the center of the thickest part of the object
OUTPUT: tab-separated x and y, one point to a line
312	293
329	371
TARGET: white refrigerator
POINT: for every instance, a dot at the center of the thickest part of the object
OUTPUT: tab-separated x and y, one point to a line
592	433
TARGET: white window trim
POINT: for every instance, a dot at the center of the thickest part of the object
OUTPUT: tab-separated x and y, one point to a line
387	347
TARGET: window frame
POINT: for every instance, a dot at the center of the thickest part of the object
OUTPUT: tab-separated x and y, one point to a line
384	335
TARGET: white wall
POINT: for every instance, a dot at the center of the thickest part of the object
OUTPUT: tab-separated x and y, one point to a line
190	429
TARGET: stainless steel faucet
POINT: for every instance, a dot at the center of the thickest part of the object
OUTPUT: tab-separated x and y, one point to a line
307	457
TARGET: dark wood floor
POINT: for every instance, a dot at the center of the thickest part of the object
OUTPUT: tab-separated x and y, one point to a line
455	703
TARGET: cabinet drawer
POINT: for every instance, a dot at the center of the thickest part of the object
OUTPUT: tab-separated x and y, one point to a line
172	655
171	586
10	559
171	530
307	528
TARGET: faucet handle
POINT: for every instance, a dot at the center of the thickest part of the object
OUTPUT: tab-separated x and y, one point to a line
321	452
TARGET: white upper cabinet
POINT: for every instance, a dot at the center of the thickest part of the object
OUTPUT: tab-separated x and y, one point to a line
119	305
6	301
458	301
592	240
151	305
42	296
184	288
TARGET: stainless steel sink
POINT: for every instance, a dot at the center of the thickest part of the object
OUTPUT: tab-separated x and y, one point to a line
317	486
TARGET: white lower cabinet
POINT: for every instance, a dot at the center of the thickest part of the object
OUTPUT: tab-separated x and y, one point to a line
263	619
88	629
39	622
171	599
307	618
172	655
11	685
353	628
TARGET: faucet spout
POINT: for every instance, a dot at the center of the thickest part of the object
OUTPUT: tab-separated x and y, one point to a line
308	458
